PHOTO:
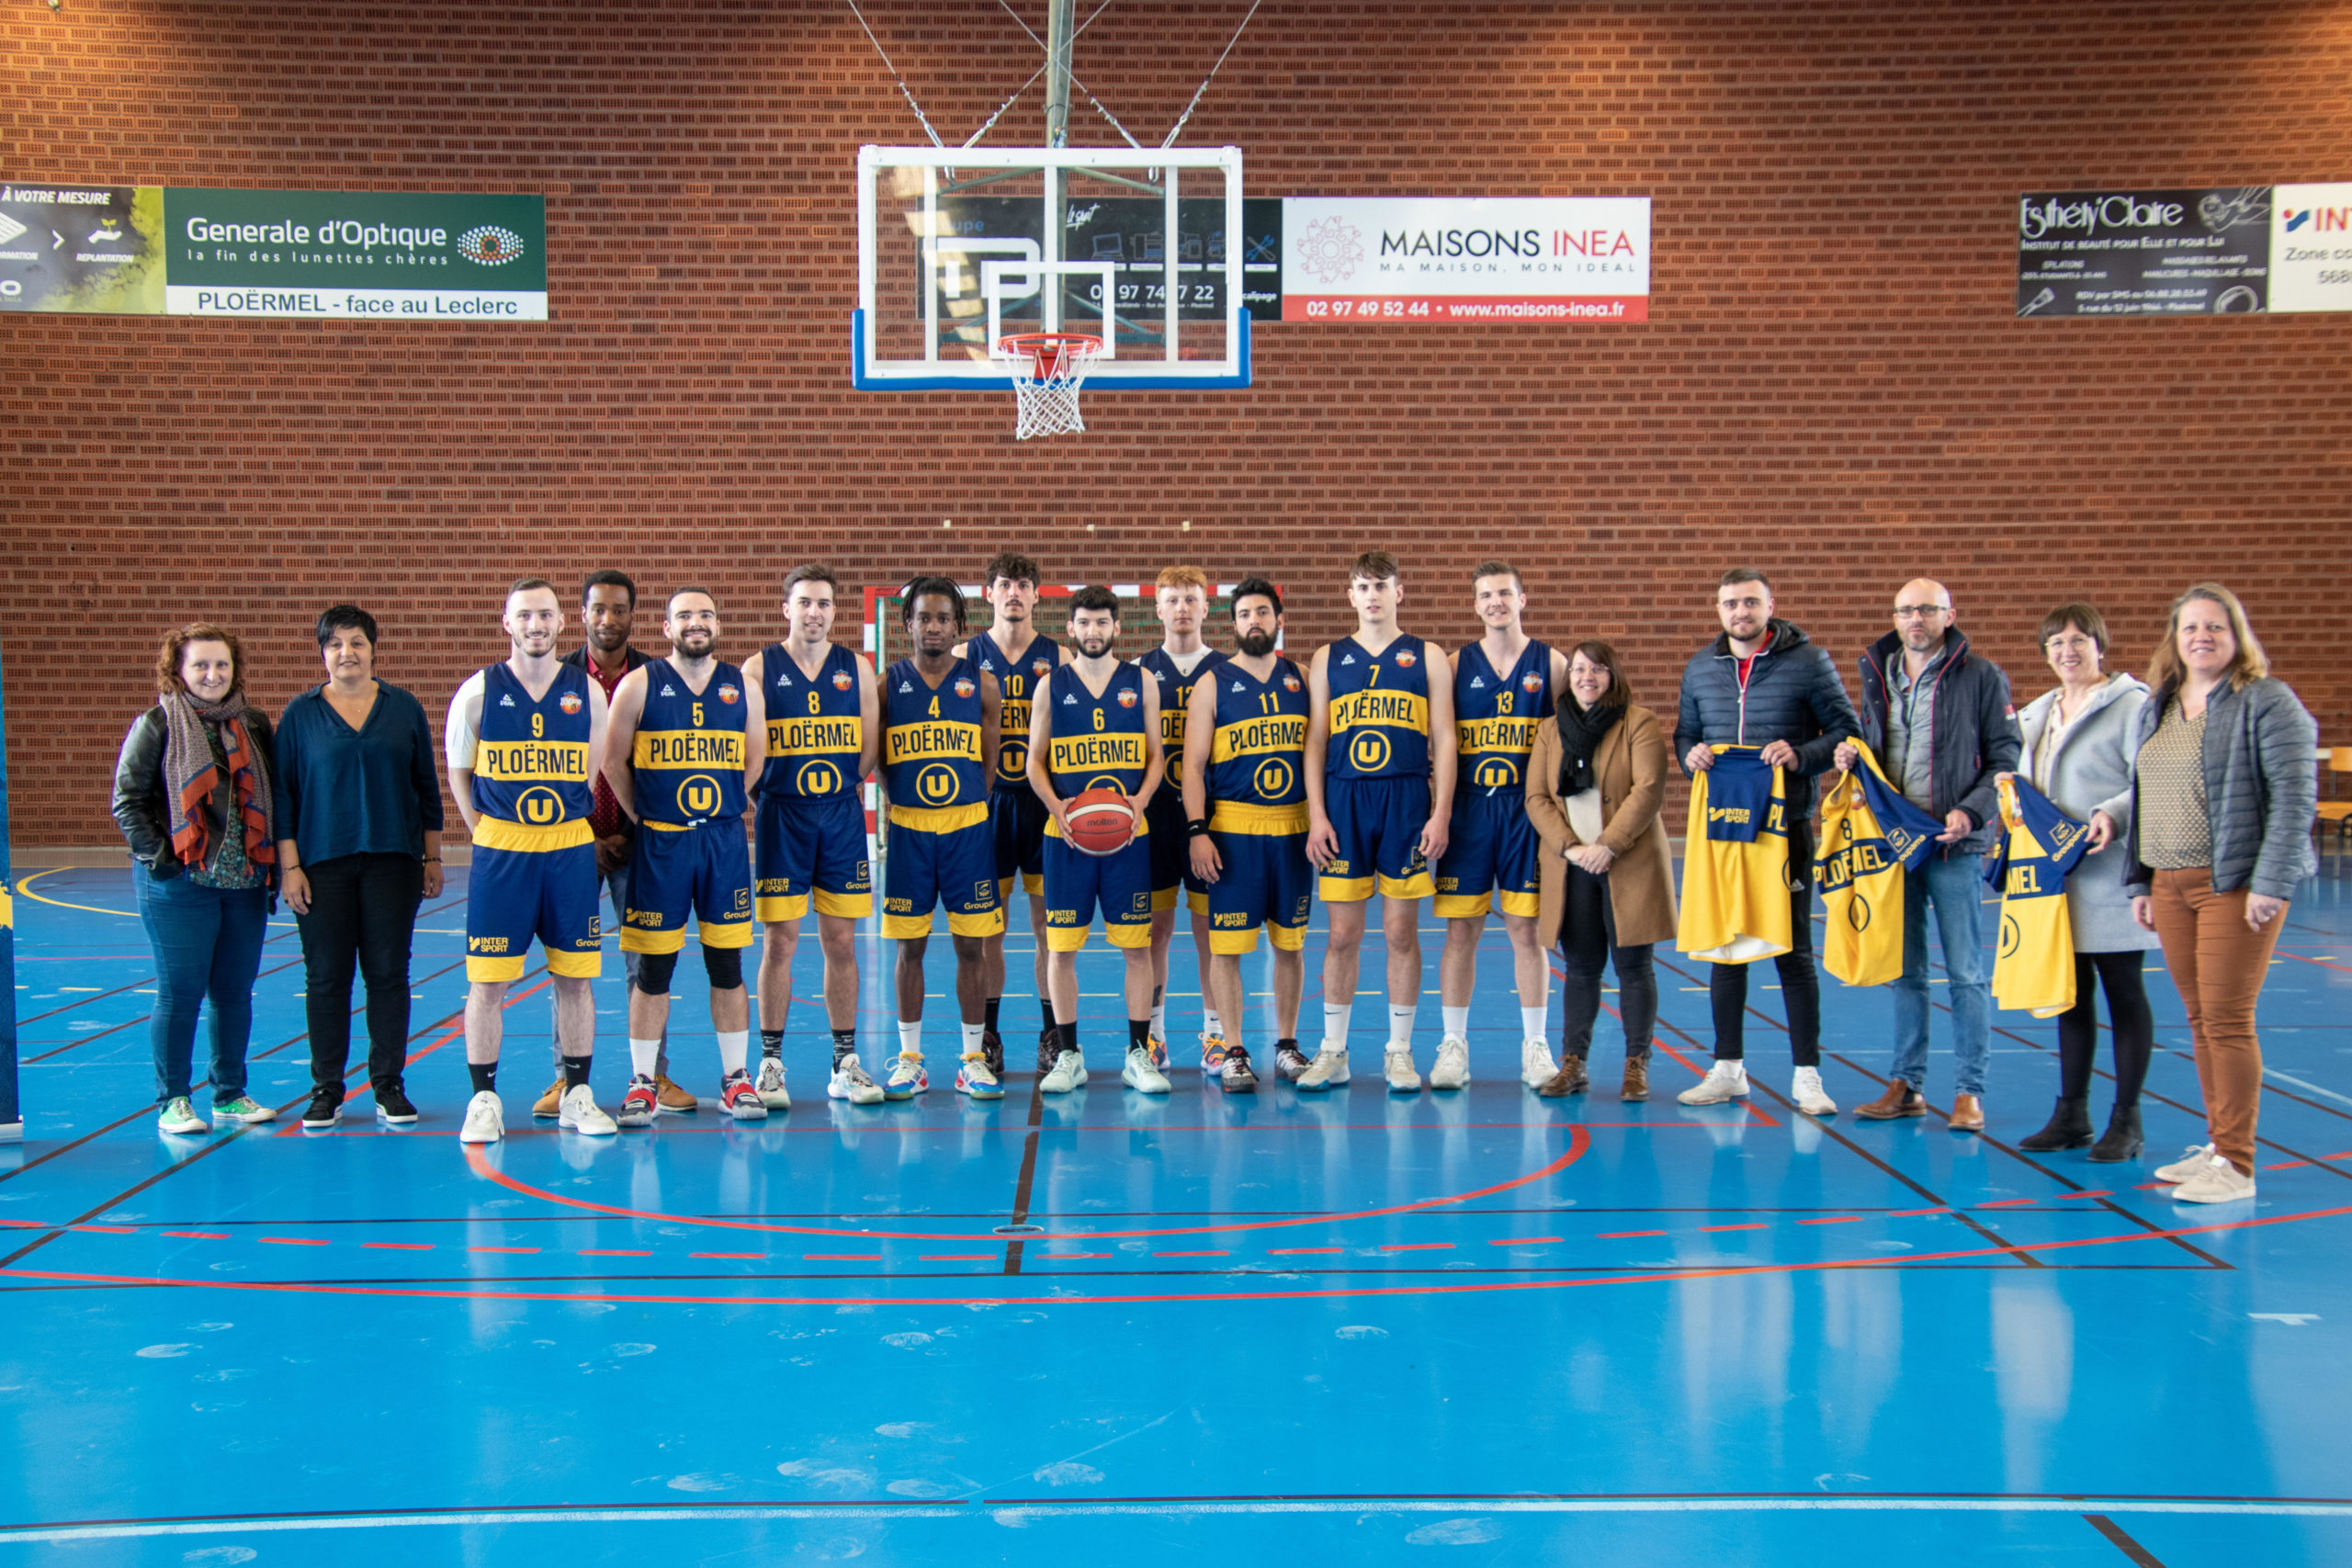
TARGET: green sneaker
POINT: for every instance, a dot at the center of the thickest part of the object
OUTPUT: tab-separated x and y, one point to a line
242	1107
179	1116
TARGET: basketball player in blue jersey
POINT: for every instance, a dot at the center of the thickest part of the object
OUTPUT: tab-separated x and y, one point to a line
688	741
1096	726
1504	685
824	731
525	740
940	714
1182	660
1245	809
1380	754
1020	658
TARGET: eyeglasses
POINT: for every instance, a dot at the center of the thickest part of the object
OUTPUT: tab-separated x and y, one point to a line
1920	612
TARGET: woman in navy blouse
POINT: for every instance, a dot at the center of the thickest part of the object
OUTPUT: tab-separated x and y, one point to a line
359	847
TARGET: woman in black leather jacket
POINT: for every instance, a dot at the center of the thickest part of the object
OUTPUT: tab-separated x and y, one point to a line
192	793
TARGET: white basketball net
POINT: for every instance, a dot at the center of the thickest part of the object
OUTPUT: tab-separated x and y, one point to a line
1047	370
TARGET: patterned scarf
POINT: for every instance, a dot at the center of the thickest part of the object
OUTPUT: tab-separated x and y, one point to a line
190	776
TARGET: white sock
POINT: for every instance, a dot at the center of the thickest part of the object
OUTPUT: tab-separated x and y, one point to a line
1209	1024
910	1038
1400	1025
642	1054
733	1044
1533	1023
1457	1021
972	1042
1335	1026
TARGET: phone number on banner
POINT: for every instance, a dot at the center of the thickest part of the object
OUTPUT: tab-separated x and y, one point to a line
1464	307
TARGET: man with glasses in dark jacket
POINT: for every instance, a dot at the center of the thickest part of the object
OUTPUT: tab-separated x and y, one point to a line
1761	684
1939	721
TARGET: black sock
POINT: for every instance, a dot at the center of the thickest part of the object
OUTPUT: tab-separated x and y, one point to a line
575	1071
771	1044
1288	1040
485	1077
1066	1035
988	1006
1139	1034
1046	1006
844	1041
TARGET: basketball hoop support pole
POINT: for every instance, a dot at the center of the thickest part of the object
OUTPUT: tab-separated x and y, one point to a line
1059	19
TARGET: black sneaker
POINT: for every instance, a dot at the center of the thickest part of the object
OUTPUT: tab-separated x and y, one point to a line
325	1109
1291	1063
392	1105
1238	1075
991	1050
1049	1047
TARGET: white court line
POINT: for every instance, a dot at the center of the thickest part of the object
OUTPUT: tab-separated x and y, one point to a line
2311	1087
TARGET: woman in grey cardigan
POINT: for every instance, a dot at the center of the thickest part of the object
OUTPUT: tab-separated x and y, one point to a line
2078	751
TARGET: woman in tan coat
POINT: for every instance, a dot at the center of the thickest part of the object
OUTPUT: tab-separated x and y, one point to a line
1595	785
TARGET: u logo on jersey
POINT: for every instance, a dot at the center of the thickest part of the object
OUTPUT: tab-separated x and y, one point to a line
2009	935
1012	757
698	795
539	808
1369	751
1496	772
818	778
1858	913
936	785
1273	779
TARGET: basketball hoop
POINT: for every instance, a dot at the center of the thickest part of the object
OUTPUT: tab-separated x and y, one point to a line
1046	369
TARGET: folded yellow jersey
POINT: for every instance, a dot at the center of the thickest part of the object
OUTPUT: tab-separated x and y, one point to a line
2039	845
1735	862
1871	836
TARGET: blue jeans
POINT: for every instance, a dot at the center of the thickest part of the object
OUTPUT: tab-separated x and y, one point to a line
1954	887
208	948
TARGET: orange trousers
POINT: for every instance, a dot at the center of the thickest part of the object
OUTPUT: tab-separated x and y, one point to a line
2218	964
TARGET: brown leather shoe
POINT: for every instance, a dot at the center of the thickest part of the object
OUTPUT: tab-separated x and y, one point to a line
1900	1099
550	1104
1637	1079
1967	1115
672	1098
1571	1078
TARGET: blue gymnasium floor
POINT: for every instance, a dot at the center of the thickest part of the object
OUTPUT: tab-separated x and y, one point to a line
1353	1327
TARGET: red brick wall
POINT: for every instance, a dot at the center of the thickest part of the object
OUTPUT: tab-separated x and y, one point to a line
1833	384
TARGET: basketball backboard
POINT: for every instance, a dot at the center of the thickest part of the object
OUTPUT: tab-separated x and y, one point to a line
954	254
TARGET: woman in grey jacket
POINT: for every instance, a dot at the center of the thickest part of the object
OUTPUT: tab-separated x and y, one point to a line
2078	751
2220	836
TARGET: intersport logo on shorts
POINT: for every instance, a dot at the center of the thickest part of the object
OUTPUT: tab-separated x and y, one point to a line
1502	258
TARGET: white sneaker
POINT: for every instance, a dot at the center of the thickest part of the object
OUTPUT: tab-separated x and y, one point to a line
1725	1081
1068	1071
1329	1068
179	1116
1535	1064
578	1113
769	1086
2219	1182
1140	1075
908	1077
1452	1070
2188	1166
485	1119
1809	1095
1397	1067
852	1082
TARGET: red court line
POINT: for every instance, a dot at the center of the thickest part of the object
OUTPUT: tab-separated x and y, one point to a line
2091	1193
401	1245
502	1249
2009	1203
1067	1256
1620	1235
1525	1241
291	1241
1835	1220
1915	1213
1302	1251
840	1258
196	1235
103	1230
1192	1254
2288	1165
1415	1246
757	1255
611	1252
1579	1143
1757	1225
956	1257
1668	1276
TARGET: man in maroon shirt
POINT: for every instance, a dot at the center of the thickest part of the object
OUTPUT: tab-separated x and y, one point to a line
607	612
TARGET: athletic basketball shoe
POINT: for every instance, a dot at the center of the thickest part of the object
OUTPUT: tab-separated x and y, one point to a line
1158	1052
2219	1182
992	1050
1328	1068
1397	1067
1290	1062
392	1106
908	1076
1237	1077
740	1099
1067	1073
242	1106
1142	1074
581	1113
1452	1068
643	1104
1811	1097
324	1111
1535	1064
851	1082
769	1084
1213	1049
550	1101
179	1116
1725	1081
485	1119
973	1077
1049	1046
2187	1165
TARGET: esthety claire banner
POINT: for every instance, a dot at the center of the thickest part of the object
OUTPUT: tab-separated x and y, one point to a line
158	251
1513	259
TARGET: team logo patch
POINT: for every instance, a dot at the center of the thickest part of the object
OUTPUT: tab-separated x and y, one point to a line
1127	698
728	695
965	686
1407	658
841	681
1290	683
1530	683
1039	667
568	701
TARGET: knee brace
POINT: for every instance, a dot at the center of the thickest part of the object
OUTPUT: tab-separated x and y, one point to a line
724	965
653	972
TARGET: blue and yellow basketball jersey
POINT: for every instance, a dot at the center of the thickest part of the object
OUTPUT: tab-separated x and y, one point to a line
1871	839
1379	710
815	727
931	748
2038	845
1018	683
1098	742
531	781
1495	717
1735	862
1258	756
1175	706
688	755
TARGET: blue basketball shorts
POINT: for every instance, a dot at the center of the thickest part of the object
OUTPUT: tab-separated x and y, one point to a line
1171	857
812	848
1379	824
1075	883
1264	880
923	868
1490	858
704	870
1017	821
513	895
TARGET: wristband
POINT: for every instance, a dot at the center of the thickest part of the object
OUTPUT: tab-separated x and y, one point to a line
1196	826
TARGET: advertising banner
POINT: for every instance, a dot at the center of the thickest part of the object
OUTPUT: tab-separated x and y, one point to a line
392	256
2310	247
1466	258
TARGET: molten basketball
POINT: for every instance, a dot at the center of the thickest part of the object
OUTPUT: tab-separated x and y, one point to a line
1099	821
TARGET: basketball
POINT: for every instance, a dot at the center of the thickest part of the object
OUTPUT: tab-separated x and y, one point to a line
1100	821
